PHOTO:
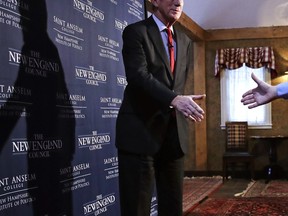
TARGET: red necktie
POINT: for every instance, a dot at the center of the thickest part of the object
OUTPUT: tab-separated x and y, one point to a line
171	49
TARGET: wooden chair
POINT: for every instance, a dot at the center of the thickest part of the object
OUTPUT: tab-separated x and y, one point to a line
237	147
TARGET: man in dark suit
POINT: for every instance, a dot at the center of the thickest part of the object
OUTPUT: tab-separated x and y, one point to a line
152	125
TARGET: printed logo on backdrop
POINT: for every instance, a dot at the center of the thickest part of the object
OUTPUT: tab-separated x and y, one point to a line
39	147
95	141
121	81
154	205
75	177
88	11
14	190
109	48
9	12
33	63
100	205
71	105
15	94
68	34
135	8
90	76
120	25
111	167
110	107
114	2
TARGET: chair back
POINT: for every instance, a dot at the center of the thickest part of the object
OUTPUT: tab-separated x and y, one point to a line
236	136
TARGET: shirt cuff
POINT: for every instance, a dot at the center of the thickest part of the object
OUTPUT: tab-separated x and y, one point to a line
282	90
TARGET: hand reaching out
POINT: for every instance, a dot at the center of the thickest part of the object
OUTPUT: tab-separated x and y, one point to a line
262	94
188	107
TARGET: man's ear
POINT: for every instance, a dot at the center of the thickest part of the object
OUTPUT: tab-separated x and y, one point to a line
154	3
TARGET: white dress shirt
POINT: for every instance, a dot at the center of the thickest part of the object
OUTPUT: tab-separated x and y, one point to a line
162	29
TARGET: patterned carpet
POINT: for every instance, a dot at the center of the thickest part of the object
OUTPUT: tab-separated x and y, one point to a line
196	189
252	206
275	188
259	199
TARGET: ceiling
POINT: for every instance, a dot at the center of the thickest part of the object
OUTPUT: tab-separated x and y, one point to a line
227	14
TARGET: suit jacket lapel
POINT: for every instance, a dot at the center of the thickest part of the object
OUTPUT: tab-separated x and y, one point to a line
179	54
156	38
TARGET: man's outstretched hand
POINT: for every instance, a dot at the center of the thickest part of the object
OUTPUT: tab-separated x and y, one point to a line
262	94
188	107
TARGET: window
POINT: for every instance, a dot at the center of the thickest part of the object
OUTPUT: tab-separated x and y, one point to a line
234	83
236	65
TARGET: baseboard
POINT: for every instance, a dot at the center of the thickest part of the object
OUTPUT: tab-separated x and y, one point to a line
202	173
234	174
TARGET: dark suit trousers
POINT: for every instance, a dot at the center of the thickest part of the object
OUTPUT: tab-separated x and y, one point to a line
138	174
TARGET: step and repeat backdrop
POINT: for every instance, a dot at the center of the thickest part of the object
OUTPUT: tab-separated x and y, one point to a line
61	84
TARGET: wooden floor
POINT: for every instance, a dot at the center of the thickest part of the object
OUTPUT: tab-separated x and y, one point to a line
231	187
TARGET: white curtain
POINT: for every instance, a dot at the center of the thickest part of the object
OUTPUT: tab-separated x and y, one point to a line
234	83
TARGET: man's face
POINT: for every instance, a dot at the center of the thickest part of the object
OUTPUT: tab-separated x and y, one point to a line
168	11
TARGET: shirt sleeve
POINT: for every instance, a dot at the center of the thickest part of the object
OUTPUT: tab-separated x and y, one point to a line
282	90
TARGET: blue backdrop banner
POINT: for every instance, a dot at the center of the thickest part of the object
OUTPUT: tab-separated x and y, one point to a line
61	84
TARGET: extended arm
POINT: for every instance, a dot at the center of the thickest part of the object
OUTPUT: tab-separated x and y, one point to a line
188	107
263	93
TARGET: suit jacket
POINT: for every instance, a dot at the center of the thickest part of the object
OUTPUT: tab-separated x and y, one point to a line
145	111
